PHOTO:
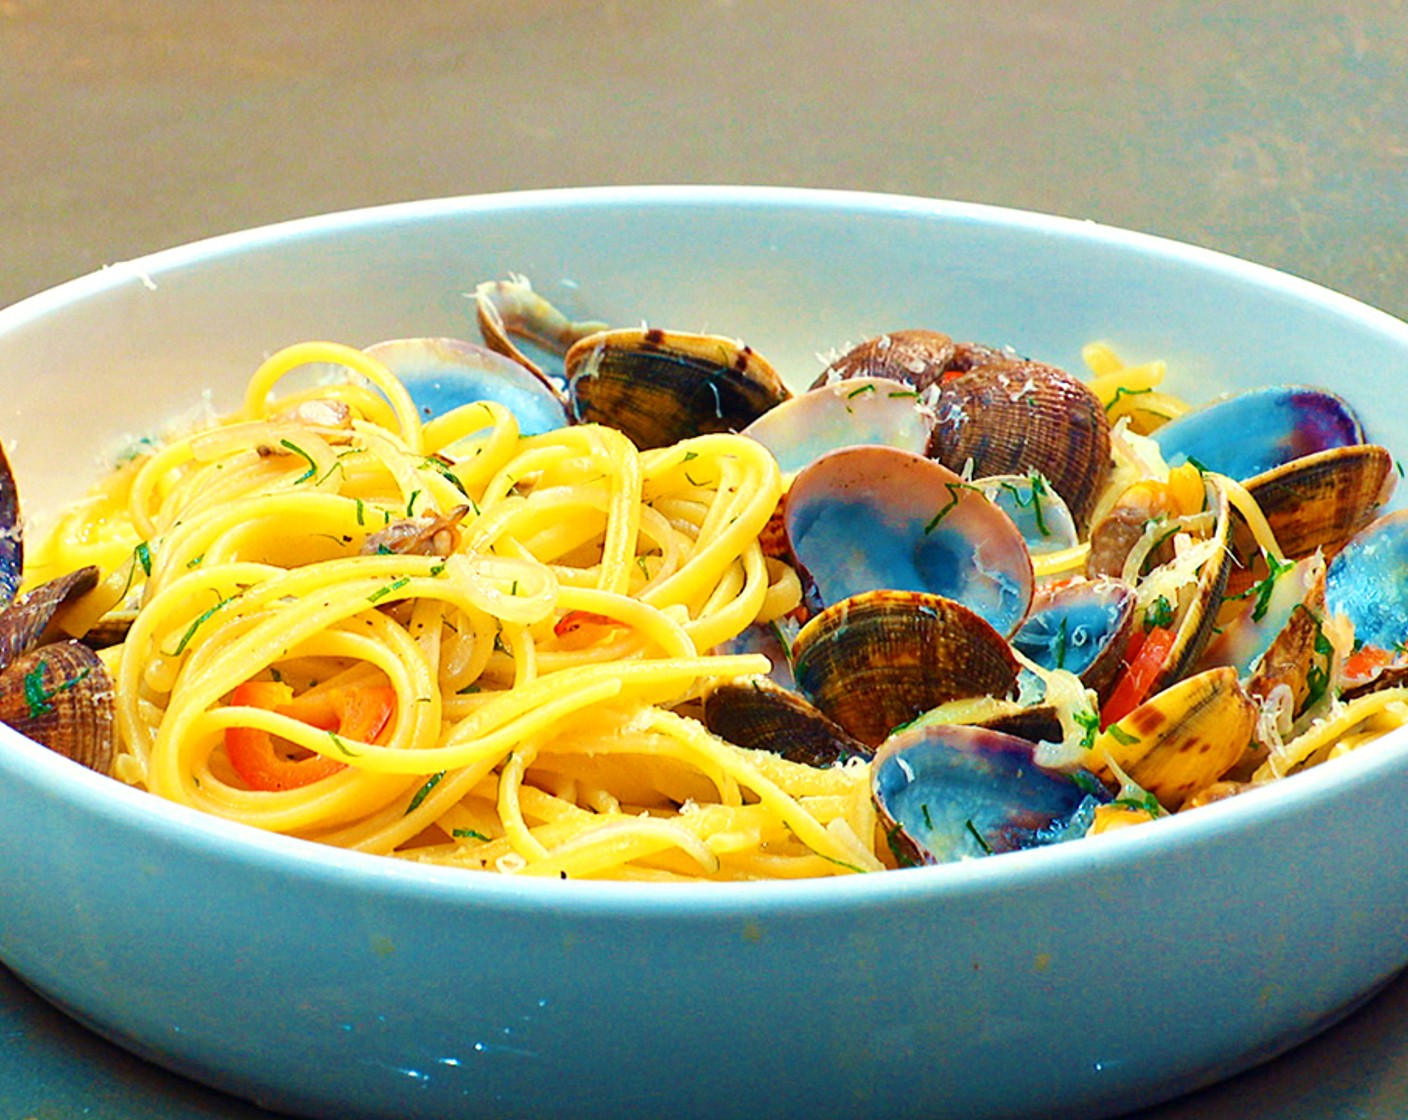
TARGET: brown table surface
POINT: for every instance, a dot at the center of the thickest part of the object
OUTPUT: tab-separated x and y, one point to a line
1275	130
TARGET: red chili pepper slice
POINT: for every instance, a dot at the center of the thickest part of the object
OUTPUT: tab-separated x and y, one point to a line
358	712
1147	652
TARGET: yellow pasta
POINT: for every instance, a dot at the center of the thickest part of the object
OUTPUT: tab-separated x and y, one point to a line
448	642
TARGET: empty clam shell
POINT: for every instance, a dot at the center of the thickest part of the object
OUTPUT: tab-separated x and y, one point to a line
1367	581
443	373
878	660
1040	514
61	695
1245	434
1082	627
947	793
867	518
508	309
842	414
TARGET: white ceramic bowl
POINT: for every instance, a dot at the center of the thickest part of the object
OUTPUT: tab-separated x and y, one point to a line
1086	979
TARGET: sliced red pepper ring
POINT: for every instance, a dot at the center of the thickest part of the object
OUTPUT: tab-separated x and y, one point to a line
360	712
1147	652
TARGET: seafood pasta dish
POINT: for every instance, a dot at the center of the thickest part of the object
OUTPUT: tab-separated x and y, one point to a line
588	601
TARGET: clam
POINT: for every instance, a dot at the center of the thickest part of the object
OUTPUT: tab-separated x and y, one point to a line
1082	627
57	692
946	793
860	410
757	713
1319	501
61	695
1246	434
1180	565
1185	737
1021	417
919	358
1367	582
511	308
867	518
659	387
443	373
28	622
1040	514
878	660
11	534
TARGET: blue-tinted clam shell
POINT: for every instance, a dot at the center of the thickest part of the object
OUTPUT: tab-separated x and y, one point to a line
1082	627
1248	433
948	793
1368	582
443	373
877	518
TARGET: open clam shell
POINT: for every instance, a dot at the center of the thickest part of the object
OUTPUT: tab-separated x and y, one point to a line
659	387
1320	500
26	623
11	534
1367	581
1082	627
860	410
876	661
1246	434
946	792
443	373
866	518
510	309
755	712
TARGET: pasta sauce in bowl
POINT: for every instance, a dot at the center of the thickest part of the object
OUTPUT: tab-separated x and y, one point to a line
491	585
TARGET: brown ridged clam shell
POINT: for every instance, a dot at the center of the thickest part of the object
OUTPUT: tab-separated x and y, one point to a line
757	713
659	387
25	624
1321	500
1020	417
916	357
61	695
876	661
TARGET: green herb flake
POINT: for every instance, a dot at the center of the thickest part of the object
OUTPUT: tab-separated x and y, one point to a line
978	836
200	620
862	391
1158	613
424	792
1121	736
312	463
1088	720
468	834
390	589
143	553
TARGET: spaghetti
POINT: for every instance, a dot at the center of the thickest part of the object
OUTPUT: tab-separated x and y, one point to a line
446	642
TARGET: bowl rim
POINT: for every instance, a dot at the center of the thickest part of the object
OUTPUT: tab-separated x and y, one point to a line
183	826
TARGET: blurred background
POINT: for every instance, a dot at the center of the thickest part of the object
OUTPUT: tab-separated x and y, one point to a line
1275	130
1272	129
